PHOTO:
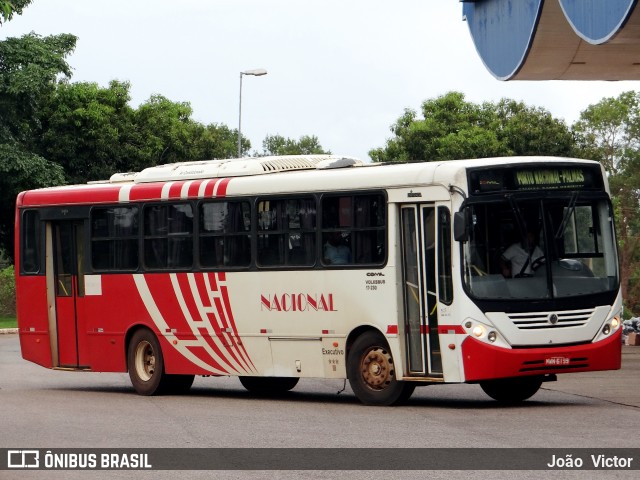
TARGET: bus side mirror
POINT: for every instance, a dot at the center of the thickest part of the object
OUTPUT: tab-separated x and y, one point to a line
461	226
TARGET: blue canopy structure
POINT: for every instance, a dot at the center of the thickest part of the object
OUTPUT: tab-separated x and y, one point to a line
557	39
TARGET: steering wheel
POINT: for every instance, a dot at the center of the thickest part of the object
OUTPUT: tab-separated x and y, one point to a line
538	262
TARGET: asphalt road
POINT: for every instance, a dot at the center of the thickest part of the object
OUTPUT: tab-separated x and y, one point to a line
41	408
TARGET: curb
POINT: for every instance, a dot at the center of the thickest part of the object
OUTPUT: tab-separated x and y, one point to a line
8	330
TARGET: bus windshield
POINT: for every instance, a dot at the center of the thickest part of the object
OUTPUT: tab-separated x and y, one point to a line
525	247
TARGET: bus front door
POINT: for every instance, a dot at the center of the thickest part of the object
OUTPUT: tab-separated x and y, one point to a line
67	250
420	296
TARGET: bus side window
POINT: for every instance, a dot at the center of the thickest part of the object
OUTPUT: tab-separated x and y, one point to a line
168	236
225	234
356	223
286	232
114	238
30	242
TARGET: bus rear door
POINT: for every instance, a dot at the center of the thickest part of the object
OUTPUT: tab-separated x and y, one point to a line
65	243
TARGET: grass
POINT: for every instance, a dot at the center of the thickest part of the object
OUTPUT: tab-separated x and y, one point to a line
8	322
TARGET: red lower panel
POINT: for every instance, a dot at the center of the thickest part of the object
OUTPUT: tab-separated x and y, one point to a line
483	362
36	348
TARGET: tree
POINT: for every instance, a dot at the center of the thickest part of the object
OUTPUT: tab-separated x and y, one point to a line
608	132
90	130
21	170
169	134
216	141
9	8
29	68
452	128
279	145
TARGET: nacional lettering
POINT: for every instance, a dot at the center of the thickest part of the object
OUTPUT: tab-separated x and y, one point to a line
297	302
550	178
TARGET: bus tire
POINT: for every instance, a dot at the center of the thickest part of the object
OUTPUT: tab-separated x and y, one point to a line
372	374
146	364
512	390
268	385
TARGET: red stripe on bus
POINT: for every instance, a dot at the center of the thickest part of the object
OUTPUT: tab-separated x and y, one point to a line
188	296
213	282
202	290
208	190
216	349
145	191
457	329
241	350
221	187
194	188
175	190
91	194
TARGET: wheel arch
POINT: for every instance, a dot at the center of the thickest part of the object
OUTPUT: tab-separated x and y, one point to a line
393	343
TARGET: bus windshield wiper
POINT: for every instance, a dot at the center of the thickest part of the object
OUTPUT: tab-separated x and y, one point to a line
570	209
518	214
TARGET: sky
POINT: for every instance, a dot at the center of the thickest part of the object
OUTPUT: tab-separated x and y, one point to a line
342	70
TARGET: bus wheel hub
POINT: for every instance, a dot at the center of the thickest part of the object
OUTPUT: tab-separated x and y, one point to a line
377	370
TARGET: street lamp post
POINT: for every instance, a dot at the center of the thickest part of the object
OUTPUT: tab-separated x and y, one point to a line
258	72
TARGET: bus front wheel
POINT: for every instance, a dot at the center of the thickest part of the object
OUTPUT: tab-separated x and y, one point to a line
512	390
372	373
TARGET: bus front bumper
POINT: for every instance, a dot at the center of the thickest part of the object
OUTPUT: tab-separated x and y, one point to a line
487	362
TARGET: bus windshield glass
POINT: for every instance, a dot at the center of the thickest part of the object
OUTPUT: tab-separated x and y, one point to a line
528	247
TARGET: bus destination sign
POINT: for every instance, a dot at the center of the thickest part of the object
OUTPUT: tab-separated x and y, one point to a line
522	178
550	178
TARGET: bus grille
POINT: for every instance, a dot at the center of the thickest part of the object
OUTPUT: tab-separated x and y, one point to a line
541	320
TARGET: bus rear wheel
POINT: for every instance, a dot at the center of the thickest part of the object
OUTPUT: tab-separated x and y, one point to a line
512	390
145	363
372	374
269	385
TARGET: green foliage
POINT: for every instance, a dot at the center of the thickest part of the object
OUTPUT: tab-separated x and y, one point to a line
89	130
452	128
166	128
608	131
9	8
216	141
279	145
168	134
21	170
8	322
29	67
7	292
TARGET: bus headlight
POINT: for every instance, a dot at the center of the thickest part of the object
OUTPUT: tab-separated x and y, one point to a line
478	331
492	336
607	329
615	323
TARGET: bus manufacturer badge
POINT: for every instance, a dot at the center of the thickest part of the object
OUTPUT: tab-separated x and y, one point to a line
553	319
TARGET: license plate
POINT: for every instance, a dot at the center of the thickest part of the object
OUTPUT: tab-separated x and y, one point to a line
554	361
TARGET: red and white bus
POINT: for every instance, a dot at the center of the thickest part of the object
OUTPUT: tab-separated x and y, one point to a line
277	268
